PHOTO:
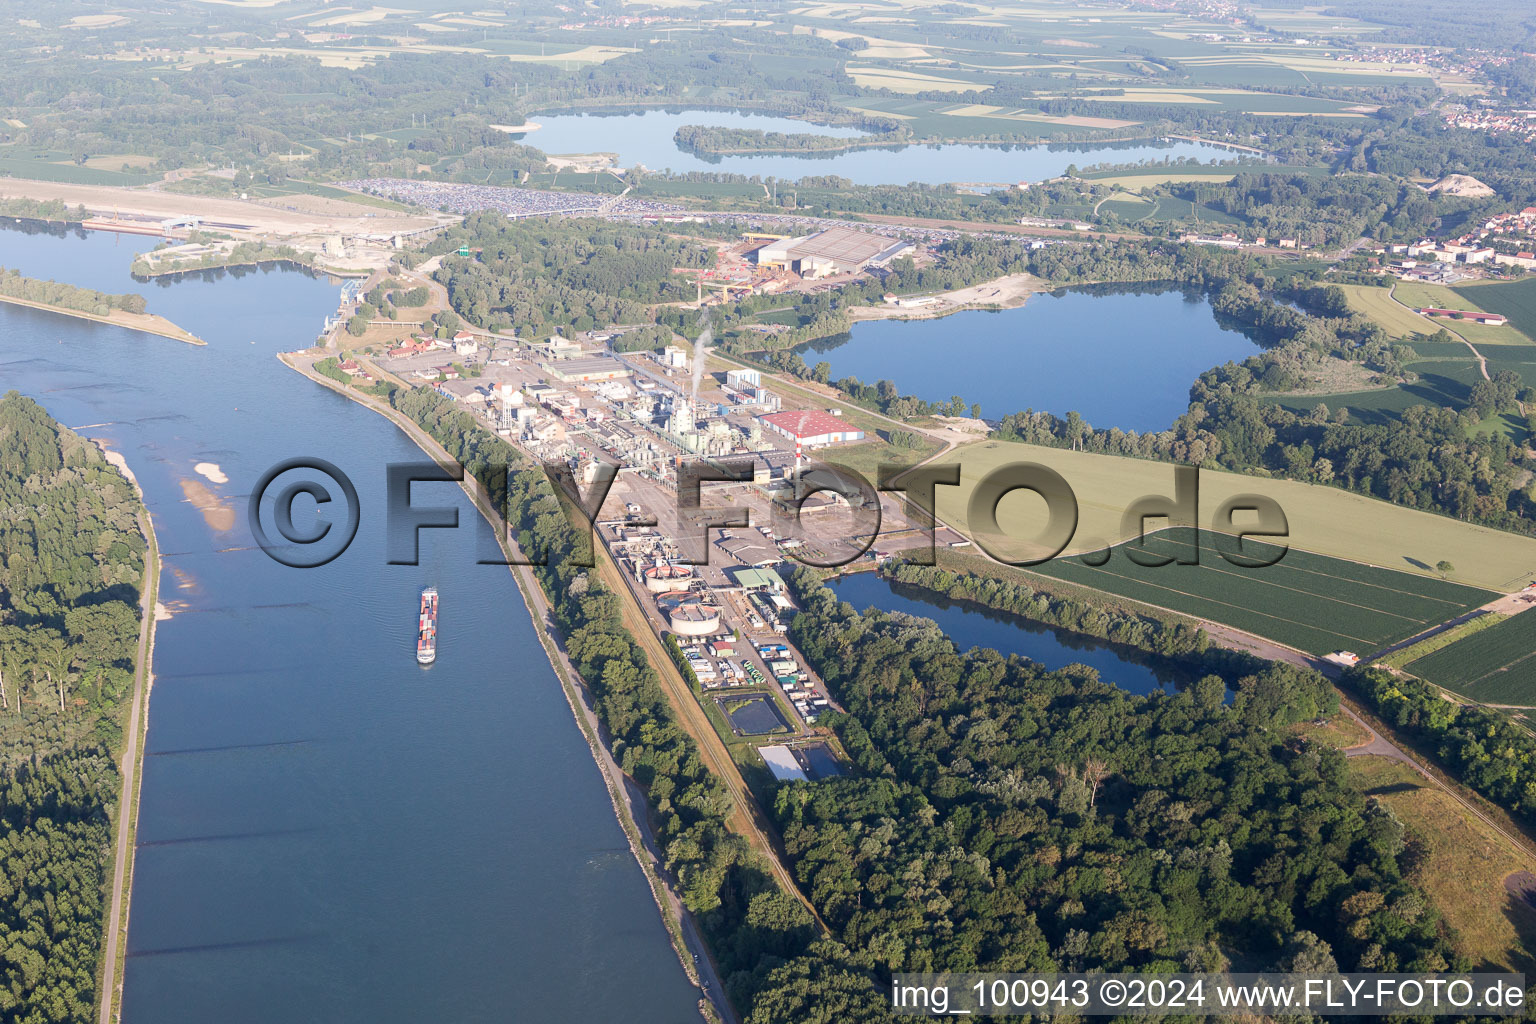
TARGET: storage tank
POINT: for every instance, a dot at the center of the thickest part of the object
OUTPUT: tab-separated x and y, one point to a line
694	619
663	579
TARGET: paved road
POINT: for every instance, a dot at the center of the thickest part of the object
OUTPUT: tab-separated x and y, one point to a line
128	798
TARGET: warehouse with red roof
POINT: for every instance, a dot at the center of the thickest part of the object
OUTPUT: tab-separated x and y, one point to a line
811	427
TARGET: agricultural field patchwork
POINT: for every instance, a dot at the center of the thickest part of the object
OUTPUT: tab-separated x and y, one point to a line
1307	601
1496	665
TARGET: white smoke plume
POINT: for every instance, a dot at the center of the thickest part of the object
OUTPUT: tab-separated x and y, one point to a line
705	337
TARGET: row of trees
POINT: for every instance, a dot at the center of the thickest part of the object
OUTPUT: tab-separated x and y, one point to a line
1167	639
66	296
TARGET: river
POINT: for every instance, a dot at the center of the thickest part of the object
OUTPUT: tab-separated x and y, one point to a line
647	138
970	625
1121	357
328	832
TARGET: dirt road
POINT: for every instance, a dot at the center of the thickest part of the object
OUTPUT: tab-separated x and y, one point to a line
128	798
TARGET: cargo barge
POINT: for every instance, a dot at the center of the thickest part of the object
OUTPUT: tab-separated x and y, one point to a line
426	628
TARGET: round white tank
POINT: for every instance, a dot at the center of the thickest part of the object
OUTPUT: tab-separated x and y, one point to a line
663	579
694	619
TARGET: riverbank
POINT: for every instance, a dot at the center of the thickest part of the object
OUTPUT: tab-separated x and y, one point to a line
115	936
687	940
149	323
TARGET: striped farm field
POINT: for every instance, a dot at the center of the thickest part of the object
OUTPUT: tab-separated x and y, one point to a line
1307	601
1496	665
1379	304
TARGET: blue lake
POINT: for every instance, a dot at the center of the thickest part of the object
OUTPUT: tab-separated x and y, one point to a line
970	626
328	832
1120	359
647	138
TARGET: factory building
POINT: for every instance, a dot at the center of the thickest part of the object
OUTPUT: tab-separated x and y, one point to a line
744	380
584	371
813	428
829	252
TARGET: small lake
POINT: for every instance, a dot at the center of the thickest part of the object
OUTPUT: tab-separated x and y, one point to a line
647	138
1121	359
971	626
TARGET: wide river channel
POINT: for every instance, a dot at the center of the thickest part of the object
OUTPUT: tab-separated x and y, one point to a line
329	832
647	138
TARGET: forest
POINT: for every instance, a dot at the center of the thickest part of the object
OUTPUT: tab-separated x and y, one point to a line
71	565
534	276
1007	817
709	139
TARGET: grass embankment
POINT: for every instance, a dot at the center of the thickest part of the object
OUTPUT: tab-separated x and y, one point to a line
1462	866
1340	731
1429	645
149	323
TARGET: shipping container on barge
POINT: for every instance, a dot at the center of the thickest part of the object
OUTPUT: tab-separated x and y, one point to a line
426	628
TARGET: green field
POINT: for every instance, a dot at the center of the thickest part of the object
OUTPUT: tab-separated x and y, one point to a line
1515	299
16	162
1446	371
1133	208
1310	602
1495	666
1443	381
1329	521
1378	304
